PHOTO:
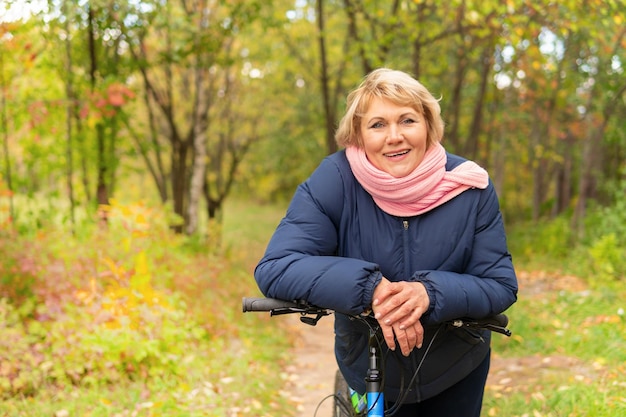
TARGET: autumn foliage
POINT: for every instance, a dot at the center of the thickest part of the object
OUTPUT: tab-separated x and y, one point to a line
75	313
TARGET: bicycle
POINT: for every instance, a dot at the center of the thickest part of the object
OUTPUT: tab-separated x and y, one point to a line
346	403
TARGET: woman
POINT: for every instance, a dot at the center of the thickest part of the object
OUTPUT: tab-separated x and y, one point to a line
395	224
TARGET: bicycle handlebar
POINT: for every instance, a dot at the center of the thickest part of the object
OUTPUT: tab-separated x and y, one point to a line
275	306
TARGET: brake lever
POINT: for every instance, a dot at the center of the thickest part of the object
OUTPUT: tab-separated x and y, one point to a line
305	312
479	326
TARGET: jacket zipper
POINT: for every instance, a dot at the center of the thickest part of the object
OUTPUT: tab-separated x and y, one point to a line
408	273
406	249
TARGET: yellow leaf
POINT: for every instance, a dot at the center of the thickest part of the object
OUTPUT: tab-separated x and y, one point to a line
139	233
141	264
141	279
118	271
141	219
92	122
126	242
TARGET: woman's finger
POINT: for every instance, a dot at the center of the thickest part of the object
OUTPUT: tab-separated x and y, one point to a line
388	334
406	340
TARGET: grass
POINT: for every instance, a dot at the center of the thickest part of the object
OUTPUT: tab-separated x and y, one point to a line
566	358
569	331
233	366
571	343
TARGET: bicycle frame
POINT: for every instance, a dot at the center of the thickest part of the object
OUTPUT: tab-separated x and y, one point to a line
374	377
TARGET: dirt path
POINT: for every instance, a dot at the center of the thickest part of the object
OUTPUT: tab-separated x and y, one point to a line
311	376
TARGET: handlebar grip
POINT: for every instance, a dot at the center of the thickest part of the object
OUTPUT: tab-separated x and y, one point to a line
265	304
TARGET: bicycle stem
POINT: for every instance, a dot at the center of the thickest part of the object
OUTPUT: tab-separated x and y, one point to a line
373	379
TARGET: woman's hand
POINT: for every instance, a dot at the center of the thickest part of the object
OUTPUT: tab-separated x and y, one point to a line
398	307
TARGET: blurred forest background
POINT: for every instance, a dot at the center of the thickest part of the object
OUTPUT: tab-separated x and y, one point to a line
149	148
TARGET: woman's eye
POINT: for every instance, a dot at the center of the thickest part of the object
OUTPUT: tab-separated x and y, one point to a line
408	121
376	125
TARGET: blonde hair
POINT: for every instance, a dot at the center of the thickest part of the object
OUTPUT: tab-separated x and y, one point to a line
399	88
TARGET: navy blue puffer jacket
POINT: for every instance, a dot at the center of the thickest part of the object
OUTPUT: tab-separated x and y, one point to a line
334	245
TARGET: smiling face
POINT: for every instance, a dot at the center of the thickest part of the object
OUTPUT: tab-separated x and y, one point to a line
394	137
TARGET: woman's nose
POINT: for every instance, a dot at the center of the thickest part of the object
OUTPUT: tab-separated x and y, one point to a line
394	133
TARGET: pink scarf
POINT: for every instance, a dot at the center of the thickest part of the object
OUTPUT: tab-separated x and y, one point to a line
427	187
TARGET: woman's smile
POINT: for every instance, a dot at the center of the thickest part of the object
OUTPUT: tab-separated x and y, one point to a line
397	155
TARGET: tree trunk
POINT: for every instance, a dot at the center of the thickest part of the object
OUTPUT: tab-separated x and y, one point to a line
563	181
586	184
179	180
471	144
102	192
5	141
198	174
452	137
69	93
329	117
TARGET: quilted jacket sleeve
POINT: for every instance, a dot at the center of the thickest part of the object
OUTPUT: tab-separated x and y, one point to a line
300	261
488	285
